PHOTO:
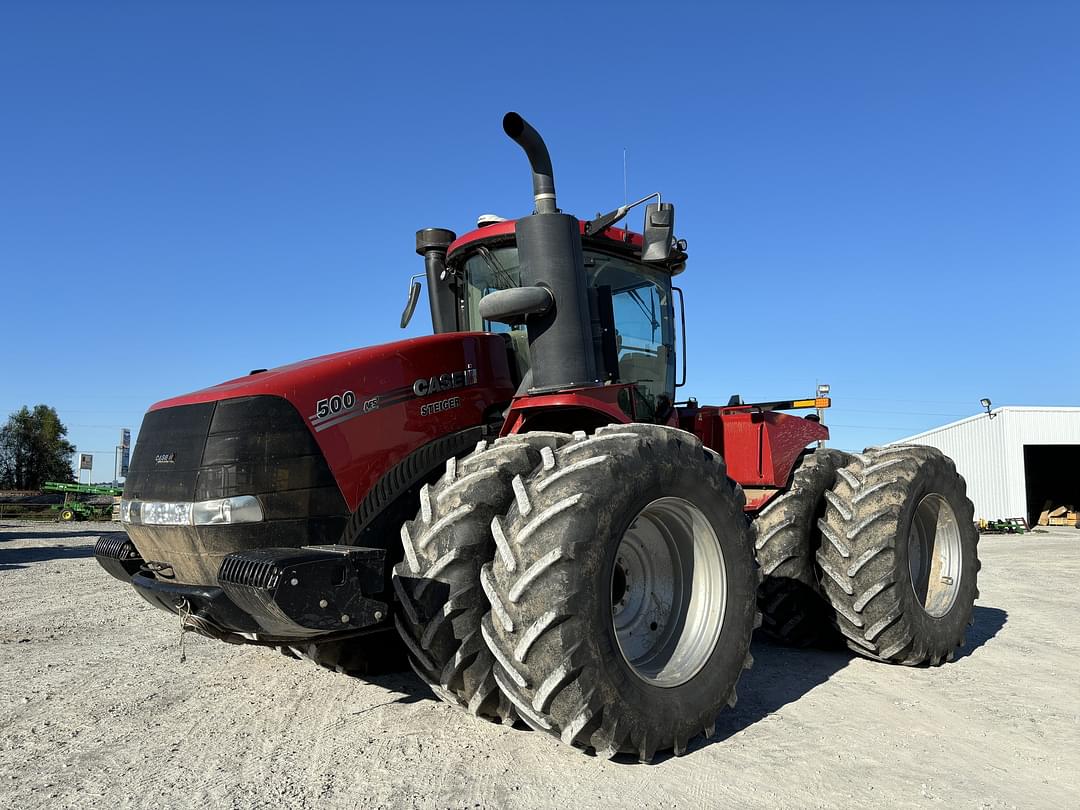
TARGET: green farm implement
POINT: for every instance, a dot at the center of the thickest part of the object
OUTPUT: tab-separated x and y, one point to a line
76	506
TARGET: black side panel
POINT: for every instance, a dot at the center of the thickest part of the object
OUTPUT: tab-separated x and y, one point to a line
259	445
607	348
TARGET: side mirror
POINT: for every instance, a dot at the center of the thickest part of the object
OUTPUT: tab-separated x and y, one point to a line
658	232
410	305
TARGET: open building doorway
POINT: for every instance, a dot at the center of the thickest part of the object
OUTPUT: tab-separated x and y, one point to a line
1051	473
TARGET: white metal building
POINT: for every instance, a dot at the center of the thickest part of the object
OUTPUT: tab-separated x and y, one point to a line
1015	461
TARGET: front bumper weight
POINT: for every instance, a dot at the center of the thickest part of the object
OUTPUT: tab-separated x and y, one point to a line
207	603
307	591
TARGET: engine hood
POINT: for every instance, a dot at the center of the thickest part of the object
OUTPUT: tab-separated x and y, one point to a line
365	408
371	369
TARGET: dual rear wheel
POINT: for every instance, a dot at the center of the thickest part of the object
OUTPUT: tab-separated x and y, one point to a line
617	591
899	559
603	588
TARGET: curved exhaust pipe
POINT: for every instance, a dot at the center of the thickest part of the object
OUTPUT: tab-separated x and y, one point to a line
539	159
553	300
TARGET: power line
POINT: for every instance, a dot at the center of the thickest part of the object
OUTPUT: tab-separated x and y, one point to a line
869	427
900	413
897	399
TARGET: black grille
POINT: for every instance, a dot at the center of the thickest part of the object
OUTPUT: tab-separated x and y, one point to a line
241	569
117	555
116	546
247	446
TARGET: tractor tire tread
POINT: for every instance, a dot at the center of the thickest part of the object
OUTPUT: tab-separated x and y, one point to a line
540	639
438	584
865	579
786	538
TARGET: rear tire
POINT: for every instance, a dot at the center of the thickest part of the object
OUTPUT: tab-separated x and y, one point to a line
582	559
437	584
786	539
67	515
899	558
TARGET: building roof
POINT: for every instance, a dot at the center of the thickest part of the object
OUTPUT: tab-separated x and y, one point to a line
995	412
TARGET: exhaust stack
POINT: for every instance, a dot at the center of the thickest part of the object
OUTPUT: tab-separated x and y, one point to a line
539	159
561	345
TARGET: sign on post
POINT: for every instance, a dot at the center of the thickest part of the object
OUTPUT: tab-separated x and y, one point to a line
123	453
86	461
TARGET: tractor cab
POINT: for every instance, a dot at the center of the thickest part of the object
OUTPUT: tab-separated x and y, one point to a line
583	305
634	304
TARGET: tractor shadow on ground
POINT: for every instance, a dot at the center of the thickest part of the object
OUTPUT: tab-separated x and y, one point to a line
10	532
986	623
782	675
12	558
405	683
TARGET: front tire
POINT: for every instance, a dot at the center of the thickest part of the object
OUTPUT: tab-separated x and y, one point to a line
899	558
437	584
623	591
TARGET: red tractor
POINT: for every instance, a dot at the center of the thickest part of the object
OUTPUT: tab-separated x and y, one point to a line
553	535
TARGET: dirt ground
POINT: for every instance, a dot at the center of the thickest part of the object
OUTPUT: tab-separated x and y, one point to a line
97	710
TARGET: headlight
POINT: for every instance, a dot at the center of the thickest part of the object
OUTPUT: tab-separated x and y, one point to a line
166	514
219	512
241	509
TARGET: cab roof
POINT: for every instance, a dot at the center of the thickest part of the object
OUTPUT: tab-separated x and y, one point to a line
618	238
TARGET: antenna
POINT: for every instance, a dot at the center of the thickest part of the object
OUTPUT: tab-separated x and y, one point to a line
625	179
625	186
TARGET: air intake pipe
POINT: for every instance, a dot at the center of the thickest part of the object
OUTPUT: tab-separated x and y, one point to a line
432	244
561	346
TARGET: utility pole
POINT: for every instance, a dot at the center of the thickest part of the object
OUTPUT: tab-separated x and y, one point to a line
822	391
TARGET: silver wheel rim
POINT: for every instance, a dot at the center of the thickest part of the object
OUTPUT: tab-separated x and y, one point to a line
935	555
668	592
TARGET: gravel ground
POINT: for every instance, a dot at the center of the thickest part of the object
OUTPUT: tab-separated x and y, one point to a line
98	711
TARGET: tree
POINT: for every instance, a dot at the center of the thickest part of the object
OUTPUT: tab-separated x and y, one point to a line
33	449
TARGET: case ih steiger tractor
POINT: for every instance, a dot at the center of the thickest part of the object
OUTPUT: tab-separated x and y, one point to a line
554	537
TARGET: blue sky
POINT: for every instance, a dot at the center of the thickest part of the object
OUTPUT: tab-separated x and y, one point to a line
882	196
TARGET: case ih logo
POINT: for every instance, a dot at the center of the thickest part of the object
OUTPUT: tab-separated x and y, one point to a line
347	405
445	382
165	458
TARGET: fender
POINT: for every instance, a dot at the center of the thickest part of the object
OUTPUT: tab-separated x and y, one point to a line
578	409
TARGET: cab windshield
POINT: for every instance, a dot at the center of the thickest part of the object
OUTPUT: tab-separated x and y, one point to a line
640	297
